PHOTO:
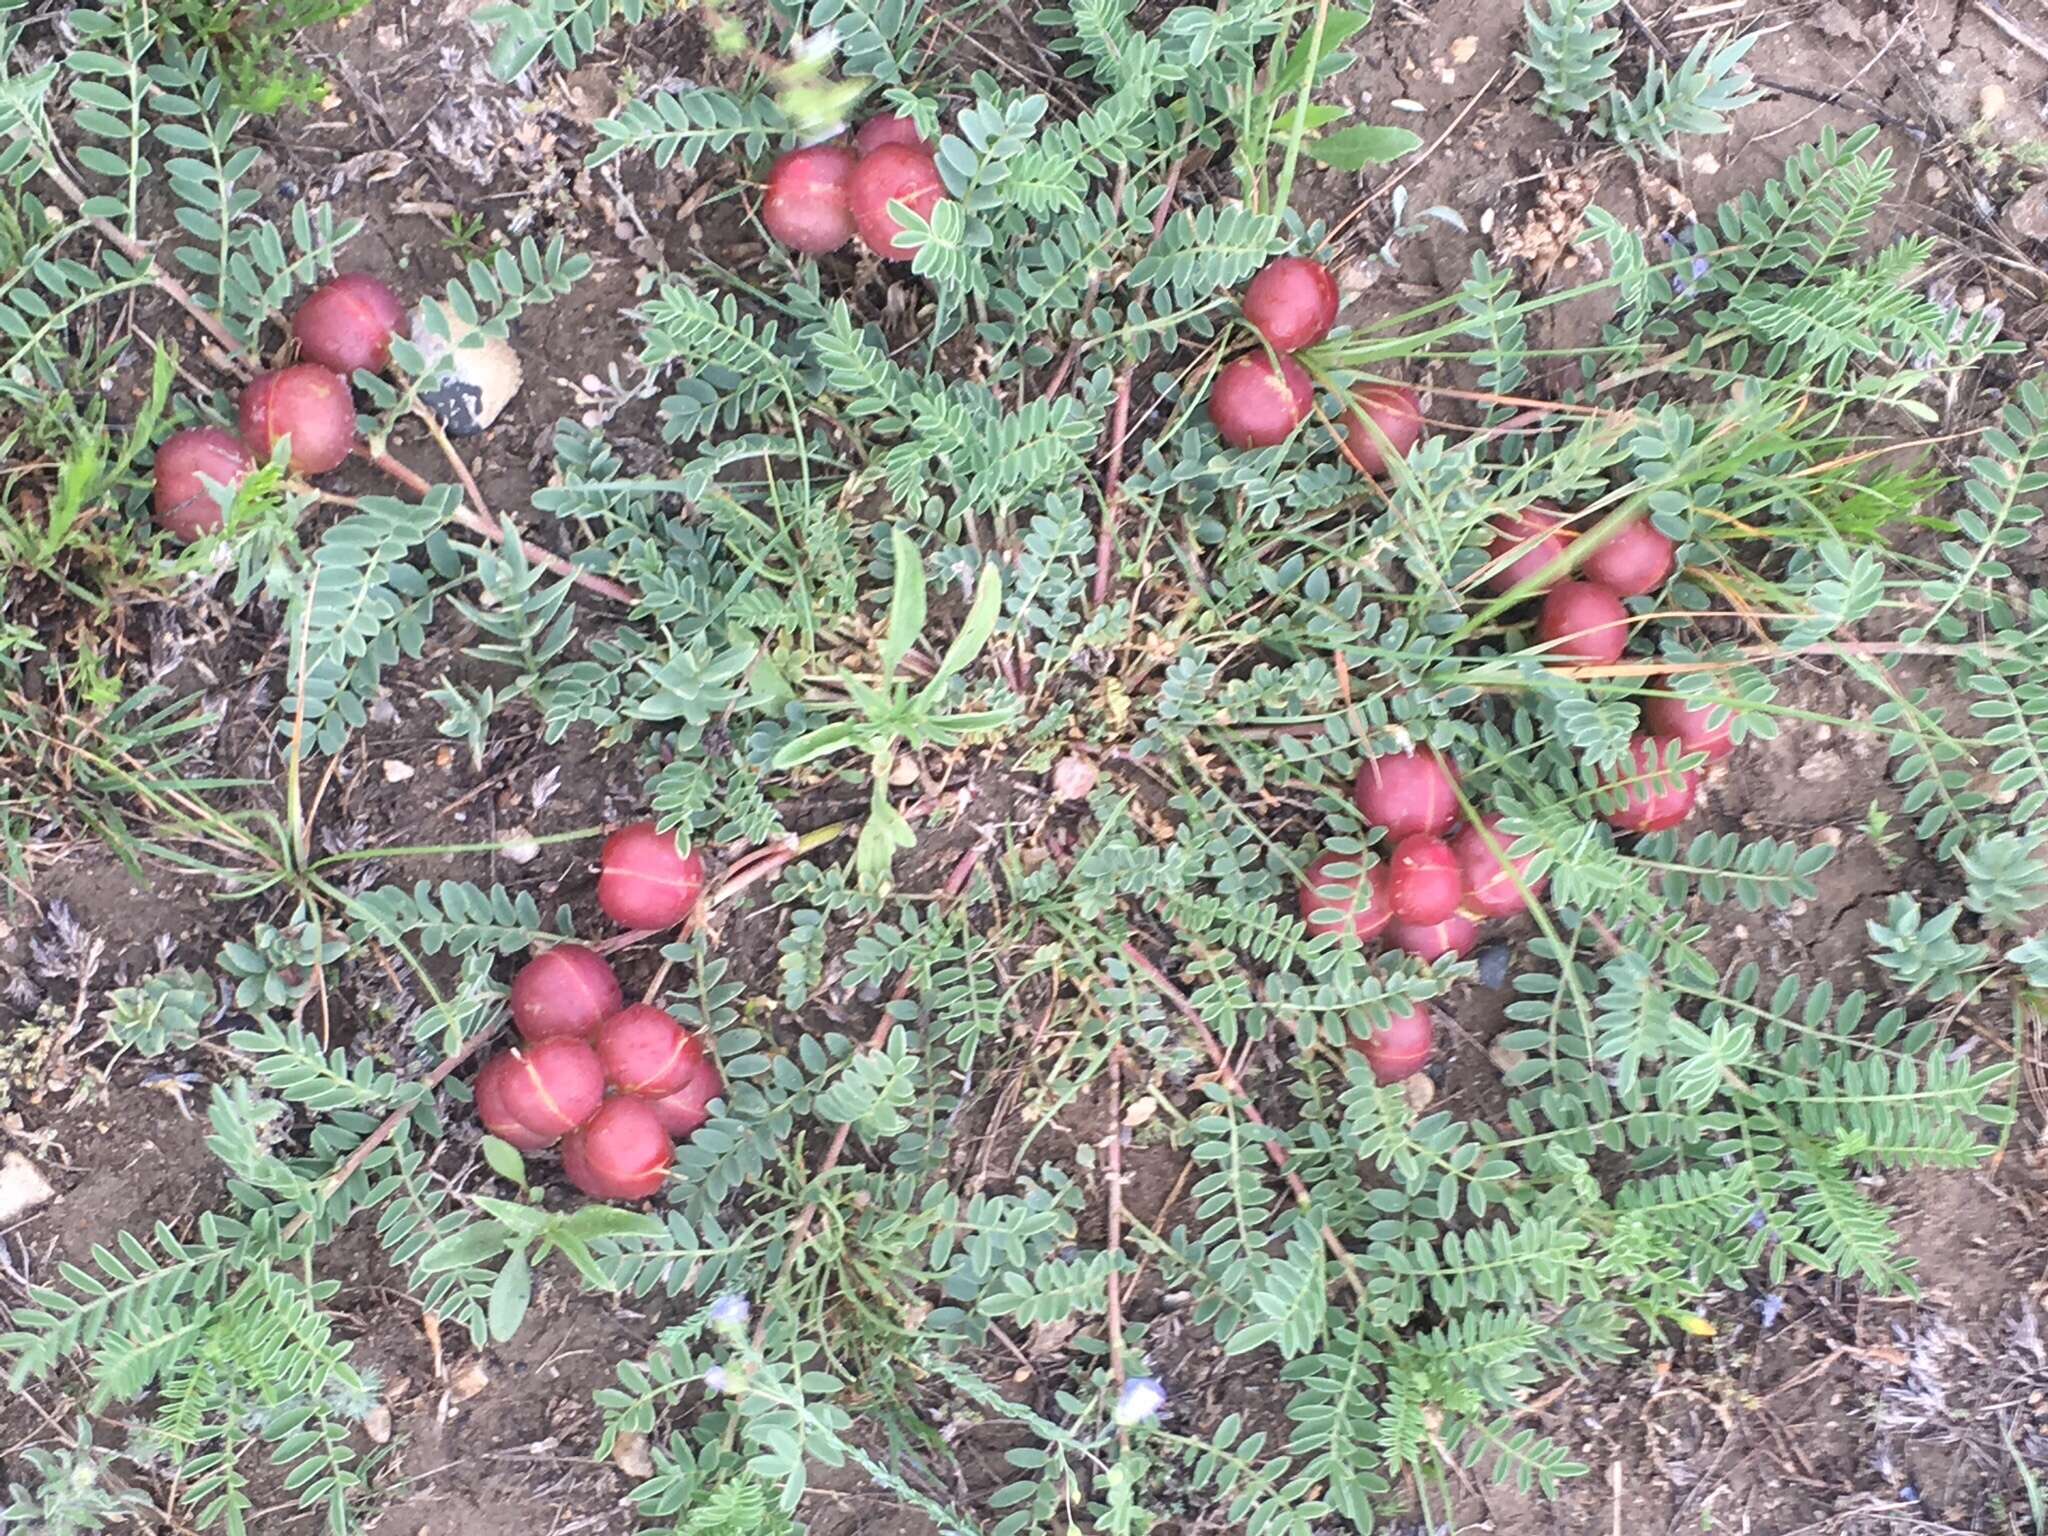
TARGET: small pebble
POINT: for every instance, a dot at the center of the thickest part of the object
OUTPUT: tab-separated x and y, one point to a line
1492	960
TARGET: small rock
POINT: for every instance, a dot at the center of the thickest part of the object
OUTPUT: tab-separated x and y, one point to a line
1506	1057
1073	777
519	847
904	771
1419	1091
2027	214
1706	163
1821	767
22	1187
396	772
1832	836
1140	1110
1990	102
629	1455
468	1381
377	1425
475	381
1463	48
1837	20
1936	181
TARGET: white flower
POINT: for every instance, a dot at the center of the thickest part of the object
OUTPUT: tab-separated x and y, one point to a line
1140	1400
715	1380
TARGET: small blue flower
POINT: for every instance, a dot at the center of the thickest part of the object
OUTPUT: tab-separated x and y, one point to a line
1140	1400
730	1312
716	1380
1768	1308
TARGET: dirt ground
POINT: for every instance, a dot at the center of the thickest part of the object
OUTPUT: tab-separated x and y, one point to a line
1812	1408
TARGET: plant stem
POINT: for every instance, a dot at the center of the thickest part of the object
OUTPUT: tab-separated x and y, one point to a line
484	528
370	1143
1231	1084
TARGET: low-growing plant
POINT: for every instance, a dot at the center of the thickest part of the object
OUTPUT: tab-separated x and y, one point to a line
1137	608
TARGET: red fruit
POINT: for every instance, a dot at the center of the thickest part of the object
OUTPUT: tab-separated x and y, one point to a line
1527	546
1655	799
184	463
1255	404
554	1086
1490	889
1632	562
645	880
900	173
1401	1049
1664	715
1292	303
493	1111
1334	904
1582	621
889	128
1426	884
684	1112
622	1154
805	206
308	404
1385	423
1408	792
1452	936
564	993
347	323
646	1052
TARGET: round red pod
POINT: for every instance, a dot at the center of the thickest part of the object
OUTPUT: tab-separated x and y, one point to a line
1385	423
1432	941
621	1154
889	128
1292	302
564	993
805	206
1401	1049
1492	888
646	1052
1408	792
496	1114
683	1113
645	880
554	1086
1632	562
348	322
1255	403
1426	883
307	403
1650	807
1356	903
1582	621
895	173
1528	546
185	462
1665	715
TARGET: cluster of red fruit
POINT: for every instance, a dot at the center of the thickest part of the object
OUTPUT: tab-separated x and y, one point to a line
1583	620
616	1084
1257	401
1431	892
818	197
345	324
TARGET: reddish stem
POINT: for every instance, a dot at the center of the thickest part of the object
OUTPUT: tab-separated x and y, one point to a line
484	528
